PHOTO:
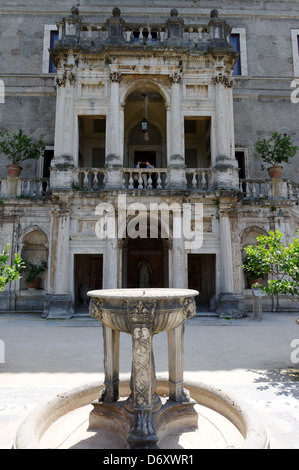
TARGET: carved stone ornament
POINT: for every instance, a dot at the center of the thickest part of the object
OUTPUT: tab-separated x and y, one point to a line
223	79
68	77
189	307
175	77
95	310
115	77
141	312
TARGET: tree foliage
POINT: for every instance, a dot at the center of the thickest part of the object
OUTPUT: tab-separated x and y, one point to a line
275	150
281	262
18	147
9	273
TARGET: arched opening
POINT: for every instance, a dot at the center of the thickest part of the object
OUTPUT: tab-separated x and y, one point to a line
249	237
145	102
35	251
145	263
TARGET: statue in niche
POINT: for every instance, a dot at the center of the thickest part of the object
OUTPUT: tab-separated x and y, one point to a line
145	271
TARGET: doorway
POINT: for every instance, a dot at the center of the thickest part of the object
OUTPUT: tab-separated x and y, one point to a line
88	276
141	158
201	277
145	263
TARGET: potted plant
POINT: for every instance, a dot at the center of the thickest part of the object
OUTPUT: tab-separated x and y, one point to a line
17	147
254	270
274	151
32	273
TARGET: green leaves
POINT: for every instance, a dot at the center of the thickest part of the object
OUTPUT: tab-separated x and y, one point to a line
271	257
33	270
18	147
9	273
275	150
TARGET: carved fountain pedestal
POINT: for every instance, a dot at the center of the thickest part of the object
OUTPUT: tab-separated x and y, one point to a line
143	313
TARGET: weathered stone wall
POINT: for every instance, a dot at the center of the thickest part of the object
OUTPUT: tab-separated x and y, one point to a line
262	100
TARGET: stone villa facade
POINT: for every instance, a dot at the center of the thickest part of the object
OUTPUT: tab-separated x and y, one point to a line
208	78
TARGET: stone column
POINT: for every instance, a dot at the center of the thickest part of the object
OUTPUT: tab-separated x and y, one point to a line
228	301
176	163
58	301
226	164
66	131
222	84
114	136
176	336
110	337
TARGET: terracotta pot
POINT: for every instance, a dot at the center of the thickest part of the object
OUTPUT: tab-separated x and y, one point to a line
35	284
275	171
14	170
254	281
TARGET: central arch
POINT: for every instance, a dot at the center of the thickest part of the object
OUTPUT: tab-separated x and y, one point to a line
145	100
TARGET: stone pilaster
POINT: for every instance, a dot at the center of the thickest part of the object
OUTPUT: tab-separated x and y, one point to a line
58	302
176	163
66	132
228	300
226	165
114	137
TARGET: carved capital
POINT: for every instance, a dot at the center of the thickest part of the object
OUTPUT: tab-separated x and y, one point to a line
115	77
175	77
223	79
68	77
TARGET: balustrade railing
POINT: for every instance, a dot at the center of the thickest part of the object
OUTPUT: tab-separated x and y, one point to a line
259	189
255	188
199	178
149	178
24	187
150	34
293	191
89	179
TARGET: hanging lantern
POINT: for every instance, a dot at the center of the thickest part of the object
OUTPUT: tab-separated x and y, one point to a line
144	123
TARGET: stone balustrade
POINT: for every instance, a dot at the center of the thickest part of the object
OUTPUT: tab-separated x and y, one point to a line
116	30
269	188
199	179
88	179
147	178
293	191
23	187
253	188
155	33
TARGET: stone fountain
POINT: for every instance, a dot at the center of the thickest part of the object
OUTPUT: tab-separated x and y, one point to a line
141	313
133	413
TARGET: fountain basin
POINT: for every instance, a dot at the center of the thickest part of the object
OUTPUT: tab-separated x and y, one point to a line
163	309
38	430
